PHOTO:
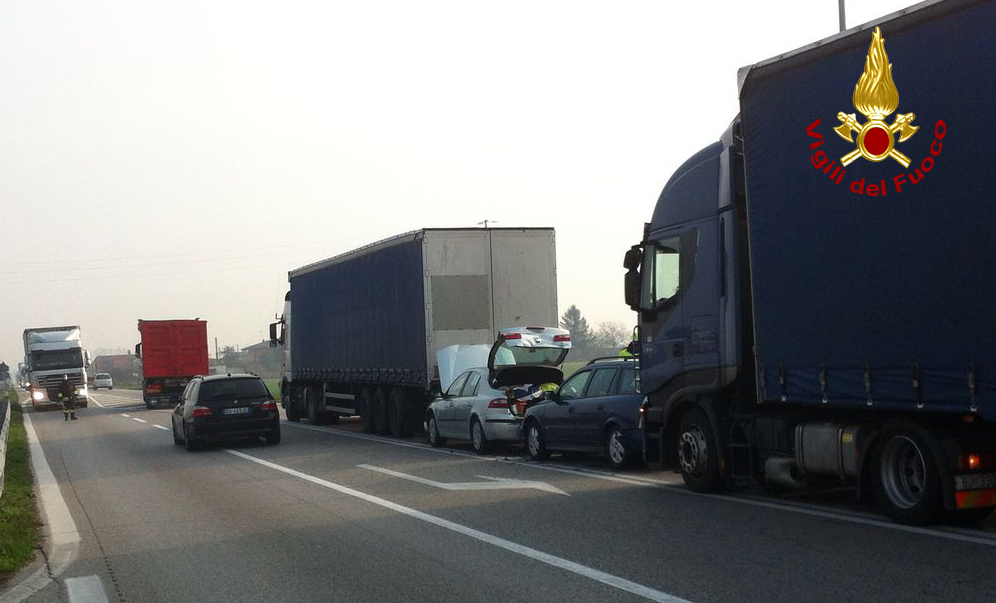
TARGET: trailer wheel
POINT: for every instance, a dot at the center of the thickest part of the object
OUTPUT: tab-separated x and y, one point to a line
287	401
397	406
698	454
311	406
381	425
906	478
366	411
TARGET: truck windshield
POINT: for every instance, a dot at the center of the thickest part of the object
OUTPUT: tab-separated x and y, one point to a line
48	360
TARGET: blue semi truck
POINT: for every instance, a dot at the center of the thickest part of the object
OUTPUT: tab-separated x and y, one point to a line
360	331
814	291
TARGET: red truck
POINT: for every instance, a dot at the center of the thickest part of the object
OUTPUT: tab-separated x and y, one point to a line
172	352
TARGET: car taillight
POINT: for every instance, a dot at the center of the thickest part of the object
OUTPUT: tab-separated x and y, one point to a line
268	406
512	336
201	411
561	337
520	408
498	403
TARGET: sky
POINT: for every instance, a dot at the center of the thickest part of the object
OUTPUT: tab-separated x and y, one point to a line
176	159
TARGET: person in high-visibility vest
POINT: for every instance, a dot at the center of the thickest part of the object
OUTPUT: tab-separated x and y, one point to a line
67	393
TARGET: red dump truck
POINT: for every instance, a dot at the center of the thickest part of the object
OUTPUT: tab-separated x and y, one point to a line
172	351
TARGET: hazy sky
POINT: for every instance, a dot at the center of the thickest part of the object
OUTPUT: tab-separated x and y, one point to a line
176	159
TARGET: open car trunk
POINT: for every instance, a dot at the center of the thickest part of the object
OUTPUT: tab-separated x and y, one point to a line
524	359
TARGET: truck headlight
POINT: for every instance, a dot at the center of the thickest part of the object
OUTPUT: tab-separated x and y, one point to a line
38	396
81	391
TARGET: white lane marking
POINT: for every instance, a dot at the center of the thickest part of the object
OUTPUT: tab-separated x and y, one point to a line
86	589
493	459
139	420
960	535
62	540
163	427
95	401
124	414
559	562
496	483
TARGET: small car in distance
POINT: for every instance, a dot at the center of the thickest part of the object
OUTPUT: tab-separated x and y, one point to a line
223	407
596	410
102	380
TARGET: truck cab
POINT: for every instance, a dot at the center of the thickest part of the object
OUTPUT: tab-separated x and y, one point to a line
684	281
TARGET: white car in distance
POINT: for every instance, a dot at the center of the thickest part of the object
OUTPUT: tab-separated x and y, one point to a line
102	380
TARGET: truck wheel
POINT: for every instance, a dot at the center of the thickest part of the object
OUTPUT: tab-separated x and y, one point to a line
381	425
698	454
366	411
287	401
435	439
478	441
292	413
906	478
397	406
311	405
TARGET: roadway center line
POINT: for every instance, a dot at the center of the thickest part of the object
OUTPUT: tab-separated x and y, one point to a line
559	562
163	427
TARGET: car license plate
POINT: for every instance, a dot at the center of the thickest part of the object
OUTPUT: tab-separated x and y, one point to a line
977	481
242	410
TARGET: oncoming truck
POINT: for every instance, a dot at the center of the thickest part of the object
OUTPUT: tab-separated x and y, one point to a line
360	331
50	353
815	290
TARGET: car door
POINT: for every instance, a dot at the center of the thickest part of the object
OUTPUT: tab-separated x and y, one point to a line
464	405
444	411
591	411
179	410
623	404
558	425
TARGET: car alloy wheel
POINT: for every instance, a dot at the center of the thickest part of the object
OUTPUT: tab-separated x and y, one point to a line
615	450
534	442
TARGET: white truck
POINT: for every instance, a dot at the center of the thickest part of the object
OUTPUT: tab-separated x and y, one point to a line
50	353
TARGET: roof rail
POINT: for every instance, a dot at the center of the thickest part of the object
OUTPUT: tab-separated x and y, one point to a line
603	358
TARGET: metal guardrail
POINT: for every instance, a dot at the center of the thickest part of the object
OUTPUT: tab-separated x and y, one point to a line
4	428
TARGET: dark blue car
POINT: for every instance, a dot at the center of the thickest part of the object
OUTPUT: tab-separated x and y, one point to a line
596	410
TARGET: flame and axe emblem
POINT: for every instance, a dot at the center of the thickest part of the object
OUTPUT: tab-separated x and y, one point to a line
876	96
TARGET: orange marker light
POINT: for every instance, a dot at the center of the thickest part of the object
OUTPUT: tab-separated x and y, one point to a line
974	461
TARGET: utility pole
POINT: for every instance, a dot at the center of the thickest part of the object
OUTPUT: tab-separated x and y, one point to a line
840	11
215	348
487	223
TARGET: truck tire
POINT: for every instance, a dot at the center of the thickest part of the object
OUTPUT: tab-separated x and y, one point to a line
366	411
381	425
397	410
906	479
698	453
311	406
287	401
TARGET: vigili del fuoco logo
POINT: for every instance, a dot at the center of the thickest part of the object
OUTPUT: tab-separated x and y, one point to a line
875	97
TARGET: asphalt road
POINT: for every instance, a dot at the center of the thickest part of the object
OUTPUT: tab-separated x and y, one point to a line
332	514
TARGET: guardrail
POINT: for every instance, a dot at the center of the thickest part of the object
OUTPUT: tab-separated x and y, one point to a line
4	428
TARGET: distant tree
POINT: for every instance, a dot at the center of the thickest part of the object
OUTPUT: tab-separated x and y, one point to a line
612	334
581	334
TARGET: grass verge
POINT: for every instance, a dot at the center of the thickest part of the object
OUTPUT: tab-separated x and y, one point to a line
274	387
19	523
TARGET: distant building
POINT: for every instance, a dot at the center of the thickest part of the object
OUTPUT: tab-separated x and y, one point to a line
262	359
124	369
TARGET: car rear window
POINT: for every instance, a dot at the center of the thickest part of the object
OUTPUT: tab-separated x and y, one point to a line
103	376
627	381
600	382
229	389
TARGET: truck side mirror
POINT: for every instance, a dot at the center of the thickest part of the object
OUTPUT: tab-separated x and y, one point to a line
138	350
273	334
632	259
631	285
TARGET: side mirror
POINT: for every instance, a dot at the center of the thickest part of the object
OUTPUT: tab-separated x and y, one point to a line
632	259
138	350
631	288
273	334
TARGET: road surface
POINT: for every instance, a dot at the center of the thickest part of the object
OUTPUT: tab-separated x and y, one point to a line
331	514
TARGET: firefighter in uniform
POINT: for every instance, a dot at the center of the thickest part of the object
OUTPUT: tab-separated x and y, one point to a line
67	393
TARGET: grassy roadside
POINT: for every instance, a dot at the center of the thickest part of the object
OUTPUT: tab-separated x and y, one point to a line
19	522
274	386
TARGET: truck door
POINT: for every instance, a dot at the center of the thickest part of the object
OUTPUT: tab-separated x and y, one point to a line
664	337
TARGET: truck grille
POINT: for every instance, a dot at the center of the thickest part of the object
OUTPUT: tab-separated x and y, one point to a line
53	381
